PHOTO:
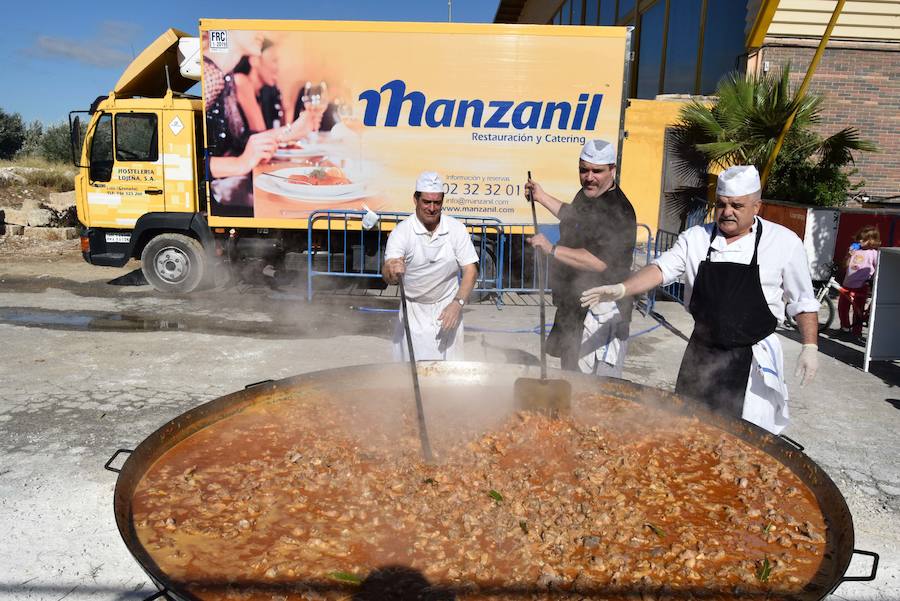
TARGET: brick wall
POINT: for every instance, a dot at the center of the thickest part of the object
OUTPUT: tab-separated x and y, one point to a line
861	86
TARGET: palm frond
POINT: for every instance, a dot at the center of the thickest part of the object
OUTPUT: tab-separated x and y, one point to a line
724	153
837	149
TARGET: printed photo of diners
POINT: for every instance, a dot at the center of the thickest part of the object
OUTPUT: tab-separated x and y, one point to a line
272	133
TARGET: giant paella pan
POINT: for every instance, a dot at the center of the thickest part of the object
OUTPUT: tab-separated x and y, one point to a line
313	487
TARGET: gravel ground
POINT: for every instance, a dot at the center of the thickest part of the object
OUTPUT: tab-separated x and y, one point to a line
88	367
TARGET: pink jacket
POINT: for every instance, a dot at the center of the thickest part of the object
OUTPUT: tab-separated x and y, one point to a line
860	267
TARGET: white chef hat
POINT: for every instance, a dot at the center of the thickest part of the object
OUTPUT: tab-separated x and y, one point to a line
738	181
598	152
429	181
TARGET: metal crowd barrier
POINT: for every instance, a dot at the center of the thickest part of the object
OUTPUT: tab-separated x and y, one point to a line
354	252
698	216
520	262
664	241
643	254
645	249
507	262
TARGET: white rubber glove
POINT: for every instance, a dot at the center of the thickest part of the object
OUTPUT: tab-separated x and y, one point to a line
807	364
601	294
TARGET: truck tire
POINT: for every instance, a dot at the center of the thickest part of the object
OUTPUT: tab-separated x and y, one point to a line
174	263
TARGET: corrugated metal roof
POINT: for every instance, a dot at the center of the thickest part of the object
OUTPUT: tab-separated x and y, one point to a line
865	20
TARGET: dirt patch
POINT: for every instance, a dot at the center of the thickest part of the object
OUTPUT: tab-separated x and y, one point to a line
24	246
15	196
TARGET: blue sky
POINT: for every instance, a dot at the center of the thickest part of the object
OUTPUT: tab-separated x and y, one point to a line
59	56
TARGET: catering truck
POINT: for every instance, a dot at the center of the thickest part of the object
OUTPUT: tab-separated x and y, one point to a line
182	181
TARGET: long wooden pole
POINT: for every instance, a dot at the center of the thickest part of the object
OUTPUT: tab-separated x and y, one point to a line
417	392
539	264
803	87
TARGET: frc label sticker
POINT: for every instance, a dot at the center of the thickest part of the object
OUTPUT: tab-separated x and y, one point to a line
176	125
218	40
118	238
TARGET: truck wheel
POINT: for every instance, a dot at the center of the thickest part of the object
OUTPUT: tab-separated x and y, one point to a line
173	263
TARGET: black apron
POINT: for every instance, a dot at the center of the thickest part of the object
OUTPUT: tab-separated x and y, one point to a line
730	316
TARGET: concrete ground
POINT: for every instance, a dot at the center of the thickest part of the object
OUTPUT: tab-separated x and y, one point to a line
87	367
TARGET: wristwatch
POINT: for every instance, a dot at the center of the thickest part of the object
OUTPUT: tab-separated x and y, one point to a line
553	251
461	302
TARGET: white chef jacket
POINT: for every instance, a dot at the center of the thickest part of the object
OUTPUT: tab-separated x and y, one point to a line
784	275
433	261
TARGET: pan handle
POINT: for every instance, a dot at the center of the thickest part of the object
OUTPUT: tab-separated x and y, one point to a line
792	442
871	575
258	383
108	464
157	595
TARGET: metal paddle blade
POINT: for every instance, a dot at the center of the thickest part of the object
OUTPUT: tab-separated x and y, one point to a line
553	397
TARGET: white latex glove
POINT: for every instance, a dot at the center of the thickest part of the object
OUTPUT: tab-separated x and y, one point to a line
807	364
612	292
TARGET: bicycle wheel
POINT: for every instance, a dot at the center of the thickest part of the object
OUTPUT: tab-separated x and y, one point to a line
826	313
825	317
789	321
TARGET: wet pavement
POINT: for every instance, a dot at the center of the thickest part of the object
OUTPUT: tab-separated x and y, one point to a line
88	367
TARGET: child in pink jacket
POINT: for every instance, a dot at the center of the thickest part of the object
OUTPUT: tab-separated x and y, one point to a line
861	264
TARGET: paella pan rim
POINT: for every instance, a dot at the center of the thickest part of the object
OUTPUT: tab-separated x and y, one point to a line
839	526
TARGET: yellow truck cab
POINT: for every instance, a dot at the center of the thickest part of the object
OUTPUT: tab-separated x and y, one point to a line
140	190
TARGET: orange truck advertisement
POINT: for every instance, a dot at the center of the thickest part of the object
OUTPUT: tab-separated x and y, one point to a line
480	104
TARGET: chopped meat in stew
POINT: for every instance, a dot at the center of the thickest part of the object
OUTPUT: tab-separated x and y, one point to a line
306	498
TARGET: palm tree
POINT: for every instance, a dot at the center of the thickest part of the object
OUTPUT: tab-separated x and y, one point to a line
742	125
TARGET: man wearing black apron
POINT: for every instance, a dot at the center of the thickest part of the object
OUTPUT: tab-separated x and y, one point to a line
736	271
730	316
597	236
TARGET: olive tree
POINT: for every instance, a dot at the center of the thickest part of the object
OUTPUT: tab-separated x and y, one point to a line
31	146
12	134
56	145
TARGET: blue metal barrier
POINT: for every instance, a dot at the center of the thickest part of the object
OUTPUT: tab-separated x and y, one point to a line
647	247
353	252
506	261
520	261
664	241
699	215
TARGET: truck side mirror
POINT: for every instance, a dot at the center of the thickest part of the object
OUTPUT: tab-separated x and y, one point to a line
75	135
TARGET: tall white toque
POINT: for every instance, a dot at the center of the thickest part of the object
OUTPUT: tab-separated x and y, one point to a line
738	181
429	181
598	152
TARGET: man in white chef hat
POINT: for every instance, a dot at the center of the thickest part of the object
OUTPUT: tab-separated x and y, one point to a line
739	272
596	243
429	250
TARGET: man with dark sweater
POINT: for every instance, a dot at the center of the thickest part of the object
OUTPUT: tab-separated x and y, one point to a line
597	237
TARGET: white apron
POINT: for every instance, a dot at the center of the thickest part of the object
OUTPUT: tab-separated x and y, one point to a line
428	341
604	341
765	403
431	282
